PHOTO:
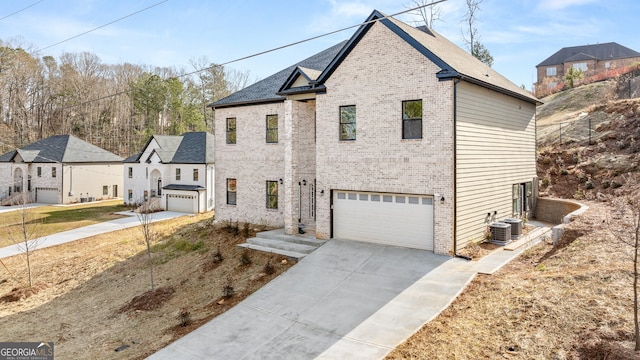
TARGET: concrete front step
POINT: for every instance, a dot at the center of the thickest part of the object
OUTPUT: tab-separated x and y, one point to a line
276	241
282	245
295	256
279	234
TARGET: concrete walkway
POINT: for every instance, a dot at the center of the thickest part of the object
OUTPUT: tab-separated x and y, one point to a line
346	300
83	232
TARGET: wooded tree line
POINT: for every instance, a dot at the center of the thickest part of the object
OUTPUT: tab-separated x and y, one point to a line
116	107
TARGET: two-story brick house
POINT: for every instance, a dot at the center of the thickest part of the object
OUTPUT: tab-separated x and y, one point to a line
177	171
590	59
396	136
60	169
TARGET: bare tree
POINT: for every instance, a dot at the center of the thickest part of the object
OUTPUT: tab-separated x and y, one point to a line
470	34
428	14
26	232
626	228
145	217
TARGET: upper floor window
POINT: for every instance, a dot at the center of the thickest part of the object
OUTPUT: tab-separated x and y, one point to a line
178	175
412	119
272	194
551	71
130	172
580	66
39	171
231	191
231	130
348	122
54	171
195	174
272	128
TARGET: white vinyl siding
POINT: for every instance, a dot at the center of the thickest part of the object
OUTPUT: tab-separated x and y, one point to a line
495	137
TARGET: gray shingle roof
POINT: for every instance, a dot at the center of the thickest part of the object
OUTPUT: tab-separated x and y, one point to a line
454	62
265	90
188	148
61	149
606	51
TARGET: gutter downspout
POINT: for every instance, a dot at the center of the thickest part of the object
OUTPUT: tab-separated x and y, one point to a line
455	169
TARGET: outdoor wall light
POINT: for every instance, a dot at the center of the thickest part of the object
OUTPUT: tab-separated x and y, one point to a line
280	181
442	200
321	192
304	182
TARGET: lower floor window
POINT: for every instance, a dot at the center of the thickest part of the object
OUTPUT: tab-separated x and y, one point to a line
231	191
272	194
130	195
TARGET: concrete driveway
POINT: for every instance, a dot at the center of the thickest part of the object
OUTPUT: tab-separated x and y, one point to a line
346	300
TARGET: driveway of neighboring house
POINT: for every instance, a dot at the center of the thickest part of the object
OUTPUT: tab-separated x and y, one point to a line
83	232
346	300
4	209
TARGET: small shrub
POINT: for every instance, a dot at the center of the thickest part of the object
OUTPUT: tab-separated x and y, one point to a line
185	317
553	171
615	184
576	158
564	171
227	290
245	259
268	268
231	227
606	183
545	182
245	230
589	185
546	160
622	144
217	256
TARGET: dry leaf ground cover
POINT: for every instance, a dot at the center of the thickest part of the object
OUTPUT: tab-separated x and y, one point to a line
571	301
87	290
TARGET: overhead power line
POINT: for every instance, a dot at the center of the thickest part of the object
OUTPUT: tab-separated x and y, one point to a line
101	26
24	8
271	50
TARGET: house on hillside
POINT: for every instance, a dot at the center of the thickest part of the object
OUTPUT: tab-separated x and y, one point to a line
590	59
396	136
60	169
176	173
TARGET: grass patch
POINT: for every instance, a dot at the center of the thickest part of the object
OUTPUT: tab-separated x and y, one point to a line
177	246
47	220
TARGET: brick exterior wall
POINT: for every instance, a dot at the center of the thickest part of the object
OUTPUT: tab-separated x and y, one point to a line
251	161
300	163
376	77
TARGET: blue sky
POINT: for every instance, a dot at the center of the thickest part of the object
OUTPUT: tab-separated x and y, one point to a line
518	33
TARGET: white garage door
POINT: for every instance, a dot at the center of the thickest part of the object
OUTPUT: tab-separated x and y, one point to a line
47	195
392	219
181	203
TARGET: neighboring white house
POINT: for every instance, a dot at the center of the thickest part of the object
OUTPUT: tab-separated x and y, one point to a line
177	171
60	169
396	136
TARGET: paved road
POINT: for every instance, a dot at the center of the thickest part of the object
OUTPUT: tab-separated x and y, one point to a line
80	233
346	300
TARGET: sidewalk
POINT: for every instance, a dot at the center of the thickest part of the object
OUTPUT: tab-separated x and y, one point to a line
96	229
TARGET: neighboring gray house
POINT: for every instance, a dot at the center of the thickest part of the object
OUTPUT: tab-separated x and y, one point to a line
60	169
175	172
396	136
590	59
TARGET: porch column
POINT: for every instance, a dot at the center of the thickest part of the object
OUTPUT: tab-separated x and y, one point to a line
289	186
